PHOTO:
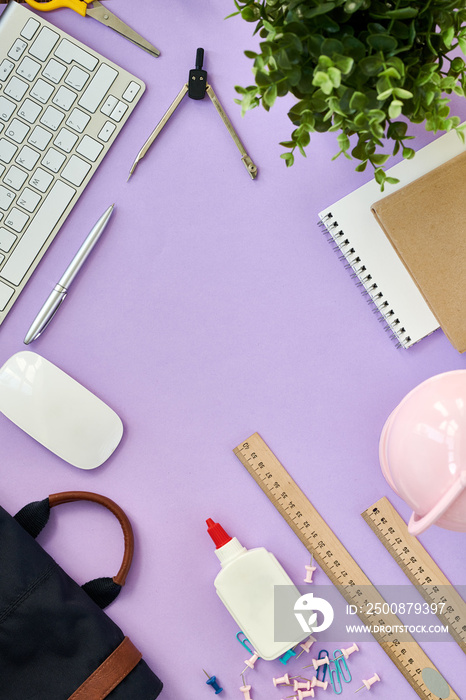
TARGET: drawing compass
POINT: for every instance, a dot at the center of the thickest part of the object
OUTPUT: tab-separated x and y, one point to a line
196	88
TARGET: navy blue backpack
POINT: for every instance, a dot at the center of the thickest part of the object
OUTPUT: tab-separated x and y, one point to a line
56	643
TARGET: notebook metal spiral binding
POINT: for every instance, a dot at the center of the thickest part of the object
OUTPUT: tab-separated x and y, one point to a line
341	244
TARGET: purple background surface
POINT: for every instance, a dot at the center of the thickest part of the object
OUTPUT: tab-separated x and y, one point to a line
211	309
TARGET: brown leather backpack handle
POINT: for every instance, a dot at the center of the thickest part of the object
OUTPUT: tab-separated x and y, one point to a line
57	499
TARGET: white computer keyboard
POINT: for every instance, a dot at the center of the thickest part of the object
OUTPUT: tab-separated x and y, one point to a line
61	107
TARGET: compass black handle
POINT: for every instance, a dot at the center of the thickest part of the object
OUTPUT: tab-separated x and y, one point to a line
199	58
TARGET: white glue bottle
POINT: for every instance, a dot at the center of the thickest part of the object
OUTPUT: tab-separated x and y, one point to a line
245	585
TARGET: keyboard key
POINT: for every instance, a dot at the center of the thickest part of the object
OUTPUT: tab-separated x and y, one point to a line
54	71
28	68
7	107
131	91
109	105
40	138
15	177
6	239
6	293
78	120
106	131
5	69
69	52
75	171
7	150
27	157
119	111
41	180
44	43
16	220
65	140
52	118
29	111
64	98
97	88
89	148
16	88
48	215
30	28
29	199
17	49
53	160
77	78
42	91
17	131
7	198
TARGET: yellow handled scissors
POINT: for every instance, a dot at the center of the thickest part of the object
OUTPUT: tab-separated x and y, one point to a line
95	9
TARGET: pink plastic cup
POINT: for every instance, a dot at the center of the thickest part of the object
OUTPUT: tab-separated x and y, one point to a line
423	452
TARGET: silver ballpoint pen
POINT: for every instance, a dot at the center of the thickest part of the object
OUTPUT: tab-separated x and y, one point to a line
59	292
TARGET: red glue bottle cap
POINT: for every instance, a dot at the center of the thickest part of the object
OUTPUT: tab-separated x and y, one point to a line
218	534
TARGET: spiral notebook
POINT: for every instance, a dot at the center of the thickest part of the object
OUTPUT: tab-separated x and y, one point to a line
369	254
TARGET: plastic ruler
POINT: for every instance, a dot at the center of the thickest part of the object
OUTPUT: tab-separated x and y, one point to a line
340	567
419	567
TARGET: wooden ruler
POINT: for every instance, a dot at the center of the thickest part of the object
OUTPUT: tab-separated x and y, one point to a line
419	567
342	569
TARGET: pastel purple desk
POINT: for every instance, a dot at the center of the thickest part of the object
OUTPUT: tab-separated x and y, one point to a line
213	308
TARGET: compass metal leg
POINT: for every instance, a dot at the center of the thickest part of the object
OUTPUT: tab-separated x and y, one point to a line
250	166
159	128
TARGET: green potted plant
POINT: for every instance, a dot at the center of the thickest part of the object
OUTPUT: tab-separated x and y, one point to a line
361	68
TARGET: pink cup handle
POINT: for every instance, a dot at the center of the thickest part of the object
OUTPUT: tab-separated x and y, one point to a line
417	525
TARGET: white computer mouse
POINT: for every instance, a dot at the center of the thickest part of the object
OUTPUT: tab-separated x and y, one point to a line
57	411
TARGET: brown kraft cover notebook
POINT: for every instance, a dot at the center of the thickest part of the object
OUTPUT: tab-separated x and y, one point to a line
426	224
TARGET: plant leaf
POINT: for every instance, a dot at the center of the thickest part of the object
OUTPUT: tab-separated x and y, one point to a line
382	42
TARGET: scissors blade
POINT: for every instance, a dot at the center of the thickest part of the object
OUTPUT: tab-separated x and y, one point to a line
101	14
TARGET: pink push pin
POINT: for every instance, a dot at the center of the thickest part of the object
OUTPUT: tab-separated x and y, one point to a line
305	646
350	650
309	571
304	685
250	662
315	683
320	662
368	683
305	694
283	680
245	689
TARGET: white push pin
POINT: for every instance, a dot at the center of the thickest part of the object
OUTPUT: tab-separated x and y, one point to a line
350	650
315	683
305	646
309	571
368	683
304	685
282	680
320	662
245	689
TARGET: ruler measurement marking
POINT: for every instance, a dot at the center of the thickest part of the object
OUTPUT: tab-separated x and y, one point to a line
454	612
328	541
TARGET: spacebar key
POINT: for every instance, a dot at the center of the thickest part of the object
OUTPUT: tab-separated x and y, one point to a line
42	225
